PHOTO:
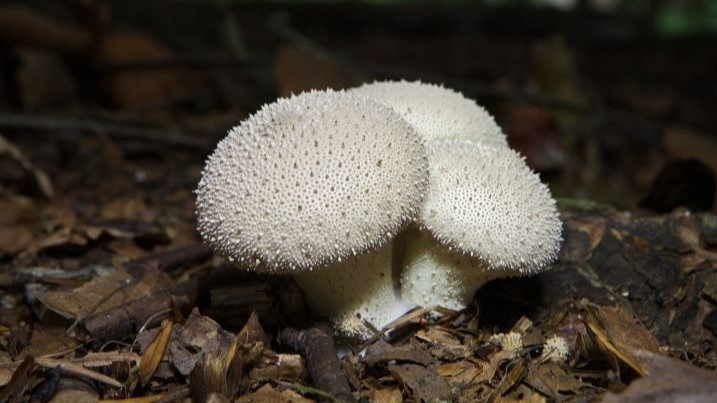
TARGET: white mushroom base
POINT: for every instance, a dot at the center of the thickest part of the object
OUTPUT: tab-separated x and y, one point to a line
353	292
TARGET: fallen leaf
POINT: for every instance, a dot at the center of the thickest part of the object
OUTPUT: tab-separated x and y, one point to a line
423	383
268	393
618	332
392	395
668	380
154	353
382	352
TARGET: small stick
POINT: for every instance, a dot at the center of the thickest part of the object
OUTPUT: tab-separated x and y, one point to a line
318	350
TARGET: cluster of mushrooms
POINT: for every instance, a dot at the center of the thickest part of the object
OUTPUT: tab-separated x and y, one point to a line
321	184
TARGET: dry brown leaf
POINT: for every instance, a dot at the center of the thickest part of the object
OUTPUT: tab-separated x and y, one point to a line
423	383
290	367
15	209
49	337
444	343
460	373
516	373
103	293
392	395
550	379
14	239
618	332
668	380
154	353
19	381
268	393
382	352
197	335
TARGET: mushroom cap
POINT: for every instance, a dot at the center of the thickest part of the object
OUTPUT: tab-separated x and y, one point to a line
358	289
310	180
434	275
437	112
484	201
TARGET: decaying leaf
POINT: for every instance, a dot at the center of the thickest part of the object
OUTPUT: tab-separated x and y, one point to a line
104	292
388	395
668	380
154	353
422	383
444	343
618	333
460	373
268	393
381	352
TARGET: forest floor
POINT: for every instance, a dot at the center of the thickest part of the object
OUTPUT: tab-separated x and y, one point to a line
106	291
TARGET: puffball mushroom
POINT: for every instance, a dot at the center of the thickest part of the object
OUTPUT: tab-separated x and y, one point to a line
485	202
437	112
318	179
310	180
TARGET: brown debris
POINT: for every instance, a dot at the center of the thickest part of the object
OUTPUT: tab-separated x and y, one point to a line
423	383
318	350
381	352
153	354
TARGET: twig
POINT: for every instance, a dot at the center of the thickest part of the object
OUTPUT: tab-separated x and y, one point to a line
53	123
78	370
318	350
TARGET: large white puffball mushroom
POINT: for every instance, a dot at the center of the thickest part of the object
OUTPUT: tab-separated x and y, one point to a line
437	112
310	180
485	202
355	291
434	275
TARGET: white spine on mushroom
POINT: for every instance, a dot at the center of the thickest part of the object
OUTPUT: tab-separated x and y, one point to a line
310	180
437	113
433	275
484	201
355	291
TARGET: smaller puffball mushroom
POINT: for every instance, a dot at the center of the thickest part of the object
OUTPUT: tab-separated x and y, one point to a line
433	275
511	342
485	202
555	349
355	291
437	113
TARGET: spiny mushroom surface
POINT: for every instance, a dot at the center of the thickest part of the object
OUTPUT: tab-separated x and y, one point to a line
356	290
433	275
437	112
485	202
311	180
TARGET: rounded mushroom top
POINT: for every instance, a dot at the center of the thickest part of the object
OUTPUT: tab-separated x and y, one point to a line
437	113
486	202
310	180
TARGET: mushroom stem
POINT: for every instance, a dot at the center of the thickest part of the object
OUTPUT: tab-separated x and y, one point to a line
434	275
356	295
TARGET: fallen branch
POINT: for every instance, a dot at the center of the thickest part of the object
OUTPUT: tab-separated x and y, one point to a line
318	350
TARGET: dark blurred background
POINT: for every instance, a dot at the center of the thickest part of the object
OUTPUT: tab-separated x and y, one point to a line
611	100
